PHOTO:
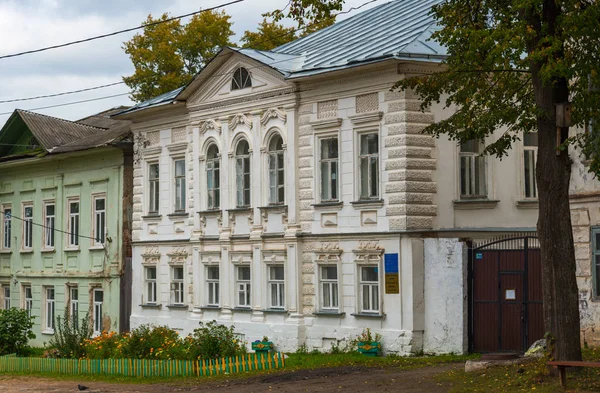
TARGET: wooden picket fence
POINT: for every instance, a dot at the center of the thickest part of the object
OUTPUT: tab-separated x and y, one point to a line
144	367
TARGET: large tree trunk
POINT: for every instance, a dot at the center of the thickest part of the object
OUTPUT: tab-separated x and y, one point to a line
561	307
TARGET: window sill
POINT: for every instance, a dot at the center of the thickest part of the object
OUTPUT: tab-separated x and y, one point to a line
48	332
528	204
274	208
210	212
178	214
242	309
274	311
367	204
329	313
238	237
152	217
5	251
368	315
469	204
209	308
328	205
96	248
26	251
151	305
178	306
240	210
47	250
71	249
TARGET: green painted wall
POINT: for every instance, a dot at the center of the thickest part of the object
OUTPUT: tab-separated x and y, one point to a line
58	178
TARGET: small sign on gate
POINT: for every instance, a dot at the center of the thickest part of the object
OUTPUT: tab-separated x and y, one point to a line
478	255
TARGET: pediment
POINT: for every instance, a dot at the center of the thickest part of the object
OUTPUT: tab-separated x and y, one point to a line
217	87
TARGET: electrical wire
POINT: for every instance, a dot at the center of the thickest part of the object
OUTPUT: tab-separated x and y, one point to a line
117	32
62	94
69	103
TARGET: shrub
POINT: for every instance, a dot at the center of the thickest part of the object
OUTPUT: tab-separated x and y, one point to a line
70	338
153	342
15	331
213	340
106	345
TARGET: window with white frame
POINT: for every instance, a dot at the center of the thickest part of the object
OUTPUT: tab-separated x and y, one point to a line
6	227
153	189
530	146
472	170
596	263
98	304
369	289
179	185
28	299
213	183
6	296
329	161
49	224
243	285
177	285
276	171
49	309
276	286
27	227
99	220
242	173
150	284
212	285
73	235
241	79
74	306
328	275
369	166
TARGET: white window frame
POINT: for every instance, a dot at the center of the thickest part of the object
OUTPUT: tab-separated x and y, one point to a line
27	227
277	302
239	80
73	223
6	228
150	284
243	189
323	198
49	225
50	309
177	286
213	180
472	161
179	186
99	218
329	286
28	300
6	296
243	287
213	286
276	171
369	157
529	180
97	311
74	305
373	286
153	189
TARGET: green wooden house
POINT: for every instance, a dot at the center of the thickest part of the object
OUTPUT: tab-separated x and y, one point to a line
65	207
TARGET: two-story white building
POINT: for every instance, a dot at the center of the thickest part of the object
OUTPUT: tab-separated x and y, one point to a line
292	194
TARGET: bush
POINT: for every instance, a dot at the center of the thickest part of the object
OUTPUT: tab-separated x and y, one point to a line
153	342
15	331
213	340
70	338
104	346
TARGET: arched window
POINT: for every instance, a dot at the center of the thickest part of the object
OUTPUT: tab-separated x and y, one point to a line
212	177
276	171
242	173
241	79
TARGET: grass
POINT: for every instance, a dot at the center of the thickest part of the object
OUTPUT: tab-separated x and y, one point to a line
532	377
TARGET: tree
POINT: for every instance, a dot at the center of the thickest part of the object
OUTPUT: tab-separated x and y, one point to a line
510	62
15	331
168	55
268	36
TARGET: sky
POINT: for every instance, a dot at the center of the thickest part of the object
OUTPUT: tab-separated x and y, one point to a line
32	24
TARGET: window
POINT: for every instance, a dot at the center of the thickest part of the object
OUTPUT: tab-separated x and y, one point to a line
74	306
28	298
369	288
369	166
180	185
49	220
98	297
73	224
27	227
243	285
329	287
153	189
212	281
241	79
99	220
49	313
6	296
472	171
212	177
276	286
329	169
596	262
151	285
6	226
242	173
177	285
530	143
276	171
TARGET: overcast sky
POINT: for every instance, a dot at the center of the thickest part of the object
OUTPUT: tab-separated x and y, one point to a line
31	24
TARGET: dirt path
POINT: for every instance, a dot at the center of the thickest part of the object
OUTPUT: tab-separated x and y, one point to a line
350	379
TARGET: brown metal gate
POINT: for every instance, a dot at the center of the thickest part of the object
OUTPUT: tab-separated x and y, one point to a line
505	288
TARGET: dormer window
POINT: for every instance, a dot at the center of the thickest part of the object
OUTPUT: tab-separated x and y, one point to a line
241	79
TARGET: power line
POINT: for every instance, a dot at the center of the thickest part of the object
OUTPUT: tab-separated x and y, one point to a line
117	32
69	103
63	93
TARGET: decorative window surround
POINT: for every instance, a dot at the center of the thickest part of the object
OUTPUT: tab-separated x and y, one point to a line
273	113
366	120
241	257
367	204
152	152
177	147
326	124
471	204
151	256
329	253
239	119
178	256
368	252
210	124
328	205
